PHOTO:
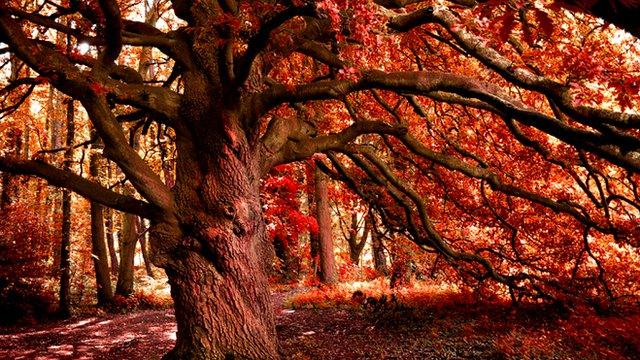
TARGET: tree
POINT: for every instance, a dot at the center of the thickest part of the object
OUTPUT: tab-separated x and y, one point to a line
357	245
98	244
65	230
377	248
109	229
281	200
328	273
235	77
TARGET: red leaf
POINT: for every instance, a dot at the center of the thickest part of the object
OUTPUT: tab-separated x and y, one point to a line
544	21
507	22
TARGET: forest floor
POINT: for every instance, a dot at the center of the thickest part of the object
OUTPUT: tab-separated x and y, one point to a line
342	332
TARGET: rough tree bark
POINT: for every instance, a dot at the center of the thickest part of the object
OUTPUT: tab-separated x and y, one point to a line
98	245
328	274
218	272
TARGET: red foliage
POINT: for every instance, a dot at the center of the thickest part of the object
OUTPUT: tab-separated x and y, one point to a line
26	246
140	301
281	193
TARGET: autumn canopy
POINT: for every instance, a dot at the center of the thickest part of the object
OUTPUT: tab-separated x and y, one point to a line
500	139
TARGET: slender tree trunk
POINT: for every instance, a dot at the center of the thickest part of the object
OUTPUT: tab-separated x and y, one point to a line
54	124
98	245
327	258
14	141
356	242
314	240
65	255
145	256
289	258
167	164
65	241
10	186
128	239
379	257
113	257
401	268
5	196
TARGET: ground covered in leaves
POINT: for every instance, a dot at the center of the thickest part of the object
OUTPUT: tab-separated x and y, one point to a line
322	324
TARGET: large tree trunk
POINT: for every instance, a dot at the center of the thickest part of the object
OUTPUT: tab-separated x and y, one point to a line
98	245
219	256
65	241
223	311
328	274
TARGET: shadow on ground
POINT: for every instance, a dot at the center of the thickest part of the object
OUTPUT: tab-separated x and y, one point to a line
142	335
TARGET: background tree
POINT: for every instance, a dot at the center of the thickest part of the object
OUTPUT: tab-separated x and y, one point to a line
98	244
328	272
65	230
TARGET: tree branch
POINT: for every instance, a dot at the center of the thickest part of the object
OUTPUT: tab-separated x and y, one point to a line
260	40
620	149
112	30
292	148
593	117
84	187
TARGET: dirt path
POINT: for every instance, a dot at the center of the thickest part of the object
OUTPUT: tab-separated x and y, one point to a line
142	335
312	334
303	334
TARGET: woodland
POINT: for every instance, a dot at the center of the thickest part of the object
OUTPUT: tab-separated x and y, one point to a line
319	179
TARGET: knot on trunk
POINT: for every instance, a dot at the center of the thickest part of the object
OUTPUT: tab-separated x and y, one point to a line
192	244
164	239
239	229
229	211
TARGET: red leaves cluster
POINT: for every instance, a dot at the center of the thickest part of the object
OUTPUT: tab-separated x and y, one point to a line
229	22
356	20
626	88
26	246
519	13
282	206
25	243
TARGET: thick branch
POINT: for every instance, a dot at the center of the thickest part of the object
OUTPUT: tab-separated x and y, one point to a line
474	45
85	187
259	41
92	93
620	149
294	148
112	31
